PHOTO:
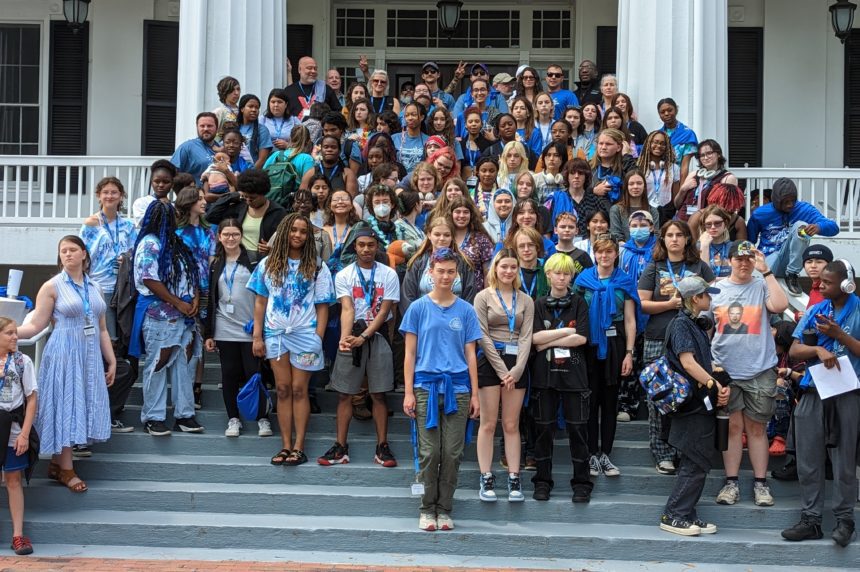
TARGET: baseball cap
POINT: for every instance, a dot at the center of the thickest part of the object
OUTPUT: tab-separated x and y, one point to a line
693	285
741	248
480	66
503	78
819	252
641	214
431	65
521	69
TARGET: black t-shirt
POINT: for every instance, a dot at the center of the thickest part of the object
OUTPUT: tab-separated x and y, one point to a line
581	260
550	370
685	336
295	91
657	280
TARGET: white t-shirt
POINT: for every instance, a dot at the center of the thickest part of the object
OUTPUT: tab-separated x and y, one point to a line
12	394
385	287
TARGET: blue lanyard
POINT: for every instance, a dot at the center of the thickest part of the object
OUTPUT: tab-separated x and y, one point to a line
465	242
367	286
504	227
723	249
473	155
656	177
85	295
511	314
413	429
556	314
229	281
381	104
114	237
672	272
526	289
338	240
302	89
280	127
333	171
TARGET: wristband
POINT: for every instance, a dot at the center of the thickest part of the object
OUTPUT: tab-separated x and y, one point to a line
768	273
363	336
630	352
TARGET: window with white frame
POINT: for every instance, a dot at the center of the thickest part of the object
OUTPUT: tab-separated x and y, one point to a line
477	29
354	27
19	89
551	29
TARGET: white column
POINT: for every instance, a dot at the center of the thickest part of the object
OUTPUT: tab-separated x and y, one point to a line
246	39
677	49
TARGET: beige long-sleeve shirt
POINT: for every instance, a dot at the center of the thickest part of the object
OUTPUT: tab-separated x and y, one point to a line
494	328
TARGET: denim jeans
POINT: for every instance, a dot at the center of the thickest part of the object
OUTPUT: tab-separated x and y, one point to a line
789	258
689	484
440	451
177	372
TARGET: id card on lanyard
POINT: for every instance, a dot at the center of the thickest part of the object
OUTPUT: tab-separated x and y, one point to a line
228	307
511	346
84	294
367	286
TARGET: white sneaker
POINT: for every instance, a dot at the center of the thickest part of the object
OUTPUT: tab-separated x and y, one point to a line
264	428
234	427
606	466
444	521
427	521
622	416
666	468
729	494
762	494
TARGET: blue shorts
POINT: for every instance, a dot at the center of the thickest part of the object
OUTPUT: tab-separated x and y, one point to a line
304	347
15	462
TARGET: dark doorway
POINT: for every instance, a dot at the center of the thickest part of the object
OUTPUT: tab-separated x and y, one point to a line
403	72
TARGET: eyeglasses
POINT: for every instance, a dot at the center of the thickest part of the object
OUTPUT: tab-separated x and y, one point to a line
479	90
479	72
231	235
340	199
429	71
554	74
707	154
714	224
382	81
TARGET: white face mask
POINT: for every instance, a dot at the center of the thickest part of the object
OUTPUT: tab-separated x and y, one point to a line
381	211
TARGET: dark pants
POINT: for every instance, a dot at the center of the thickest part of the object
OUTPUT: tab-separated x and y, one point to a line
603	418
689	484
238	364
118	392
545	404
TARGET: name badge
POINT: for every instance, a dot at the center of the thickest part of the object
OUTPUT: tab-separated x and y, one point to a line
611	332
472	182
229	309
511	349
89	330
561	353
692	209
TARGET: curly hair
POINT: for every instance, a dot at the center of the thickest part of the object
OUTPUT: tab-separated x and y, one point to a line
277	263
174	257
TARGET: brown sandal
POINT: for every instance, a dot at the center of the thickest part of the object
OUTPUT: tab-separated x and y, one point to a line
53	470
66	476
281	457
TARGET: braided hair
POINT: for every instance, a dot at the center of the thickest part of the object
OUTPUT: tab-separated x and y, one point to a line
175	257
277	263
254	143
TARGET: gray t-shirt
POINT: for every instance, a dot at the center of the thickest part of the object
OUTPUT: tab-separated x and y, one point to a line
657	279
742	344
231	327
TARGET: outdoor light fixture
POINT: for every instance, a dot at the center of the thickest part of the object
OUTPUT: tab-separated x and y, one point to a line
75	12
842	18
449	15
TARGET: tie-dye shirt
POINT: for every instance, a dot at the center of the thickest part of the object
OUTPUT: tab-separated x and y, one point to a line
105	242
291	306
202	243
146	268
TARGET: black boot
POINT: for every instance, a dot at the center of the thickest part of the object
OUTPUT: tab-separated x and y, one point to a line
804	530
843	533
787	472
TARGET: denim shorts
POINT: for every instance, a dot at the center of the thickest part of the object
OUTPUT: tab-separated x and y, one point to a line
15	462
303	345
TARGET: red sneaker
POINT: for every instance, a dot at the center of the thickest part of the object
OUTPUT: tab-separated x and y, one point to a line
22	545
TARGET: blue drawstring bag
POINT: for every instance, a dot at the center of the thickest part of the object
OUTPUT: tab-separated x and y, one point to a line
253	399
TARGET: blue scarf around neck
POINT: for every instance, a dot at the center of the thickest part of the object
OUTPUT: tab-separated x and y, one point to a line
603	307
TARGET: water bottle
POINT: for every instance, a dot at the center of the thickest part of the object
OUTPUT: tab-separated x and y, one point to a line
722	432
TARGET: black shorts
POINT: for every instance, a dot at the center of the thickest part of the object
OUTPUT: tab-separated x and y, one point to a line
487	375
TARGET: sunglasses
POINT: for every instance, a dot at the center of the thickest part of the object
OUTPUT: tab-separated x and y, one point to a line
428	70
382	81
554	74
525	77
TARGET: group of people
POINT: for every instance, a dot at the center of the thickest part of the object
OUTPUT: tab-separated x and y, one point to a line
520	267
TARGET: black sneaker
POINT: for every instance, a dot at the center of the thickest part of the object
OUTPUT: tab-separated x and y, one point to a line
198	396
156	428
81	451
336	455
792	283
679	526
581	493
787	472
188	425
384	456
117	426
541	492
843	533
315	407
803	530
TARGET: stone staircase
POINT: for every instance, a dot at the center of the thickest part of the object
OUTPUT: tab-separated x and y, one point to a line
209	492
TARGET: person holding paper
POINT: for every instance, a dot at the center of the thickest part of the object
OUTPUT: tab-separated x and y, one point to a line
832	423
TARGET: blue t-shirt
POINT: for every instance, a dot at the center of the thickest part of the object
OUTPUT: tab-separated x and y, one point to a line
442	334
850	326
354	152
193	157
410	150
561	100
264	141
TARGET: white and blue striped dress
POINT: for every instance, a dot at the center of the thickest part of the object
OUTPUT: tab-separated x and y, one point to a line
73	397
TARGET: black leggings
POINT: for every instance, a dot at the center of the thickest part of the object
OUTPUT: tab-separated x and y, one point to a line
238	364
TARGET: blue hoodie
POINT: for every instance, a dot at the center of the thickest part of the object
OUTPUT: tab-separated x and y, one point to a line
770	227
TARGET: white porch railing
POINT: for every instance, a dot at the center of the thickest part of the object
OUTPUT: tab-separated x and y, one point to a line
58	191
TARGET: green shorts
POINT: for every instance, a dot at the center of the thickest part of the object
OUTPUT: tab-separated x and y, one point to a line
756	397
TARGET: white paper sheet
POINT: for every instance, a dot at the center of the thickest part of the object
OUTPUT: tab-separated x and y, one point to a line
830	382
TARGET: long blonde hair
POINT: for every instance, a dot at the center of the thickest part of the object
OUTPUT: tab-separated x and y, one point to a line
492	276
427	246
511	147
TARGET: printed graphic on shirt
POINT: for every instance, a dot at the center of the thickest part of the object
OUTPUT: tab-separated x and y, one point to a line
738	319
455	324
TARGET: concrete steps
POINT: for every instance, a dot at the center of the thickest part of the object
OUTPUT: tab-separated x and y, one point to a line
206	491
